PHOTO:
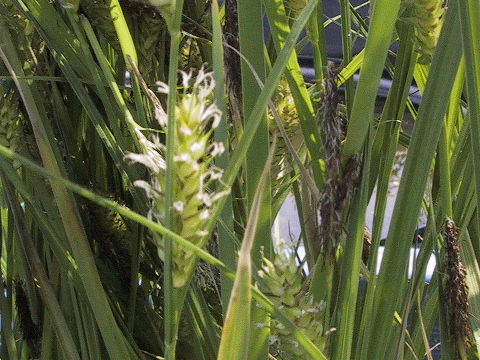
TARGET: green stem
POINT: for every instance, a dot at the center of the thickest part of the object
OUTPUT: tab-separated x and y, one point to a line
124	36
172	305
382	23
347	48
226	247
318	59
445	182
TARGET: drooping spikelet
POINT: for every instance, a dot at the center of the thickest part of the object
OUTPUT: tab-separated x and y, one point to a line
427	17
457	289
196	117
341	179
282	283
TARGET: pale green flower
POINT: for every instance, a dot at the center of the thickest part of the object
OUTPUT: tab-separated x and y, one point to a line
283	285
196	116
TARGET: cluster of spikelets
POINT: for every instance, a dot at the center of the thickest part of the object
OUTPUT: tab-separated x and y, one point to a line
282	283
196	116
427	17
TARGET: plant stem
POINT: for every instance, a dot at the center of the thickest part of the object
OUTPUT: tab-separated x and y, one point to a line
172	304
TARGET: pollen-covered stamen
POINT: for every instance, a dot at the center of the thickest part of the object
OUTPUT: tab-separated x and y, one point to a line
186	130
179	206
162	87
216	149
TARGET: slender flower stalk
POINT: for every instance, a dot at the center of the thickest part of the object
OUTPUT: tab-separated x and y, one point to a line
196	118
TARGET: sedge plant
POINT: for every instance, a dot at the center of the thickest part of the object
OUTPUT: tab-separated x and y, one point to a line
147	150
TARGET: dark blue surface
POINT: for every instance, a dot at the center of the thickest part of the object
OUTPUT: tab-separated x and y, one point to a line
333	32
333	39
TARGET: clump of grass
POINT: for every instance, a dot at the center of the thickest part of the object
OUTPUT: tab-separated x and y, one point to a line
62	85
196	118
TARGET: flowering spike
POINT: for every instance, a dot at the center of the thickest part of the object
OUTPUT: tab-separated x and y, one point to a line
282	283
427	17
195	115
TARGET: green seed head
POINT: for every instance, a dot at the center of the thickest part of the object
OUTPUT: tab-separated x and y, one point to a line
282	283
196	116
427	17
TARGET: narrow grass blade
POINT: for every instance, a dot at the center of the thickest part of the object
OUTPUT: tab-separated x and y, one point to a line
280	29
250	25
414	178
69	213
469	15
235	342
256	114
45	16
123	33
226	247
379	38
48	294
350	269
